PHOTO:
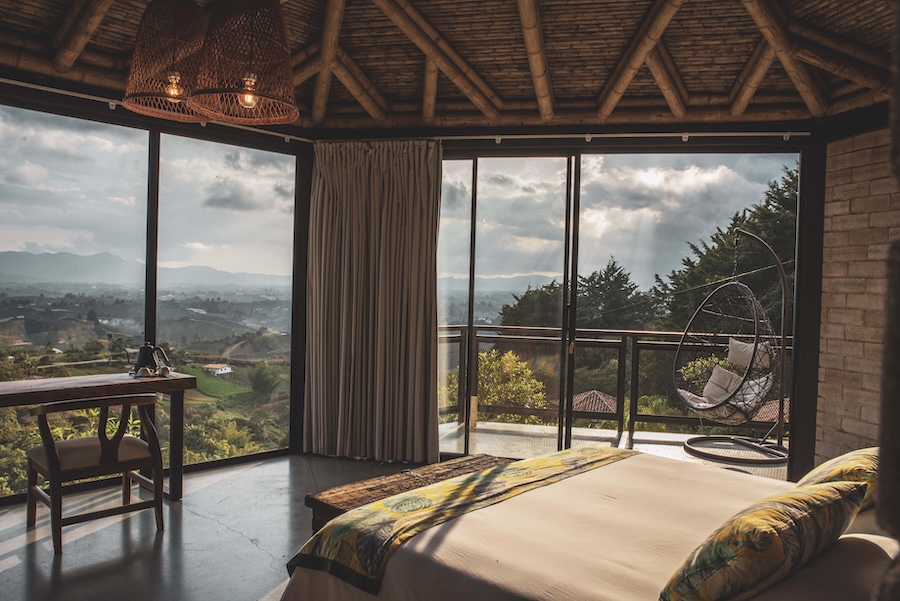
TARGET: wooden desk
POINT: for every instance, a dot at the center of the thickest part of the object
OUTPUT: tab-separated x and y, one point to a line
33	392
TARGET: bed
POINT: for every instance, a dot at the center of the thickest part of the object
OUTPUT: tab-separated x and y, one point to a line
616	533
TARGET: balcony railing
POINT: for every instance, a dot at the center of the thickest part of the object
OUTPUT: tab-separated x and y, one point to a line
643	391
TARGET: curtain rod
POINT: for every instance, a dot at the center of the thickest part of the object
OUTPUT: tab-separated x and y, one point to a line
498	138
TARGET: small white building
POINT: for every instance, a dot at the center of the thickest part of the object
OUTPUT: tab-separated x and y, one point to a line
218	369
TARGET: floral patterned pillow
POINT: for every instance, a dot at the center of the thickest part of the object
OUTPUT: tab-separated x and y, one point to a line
856	466
764	543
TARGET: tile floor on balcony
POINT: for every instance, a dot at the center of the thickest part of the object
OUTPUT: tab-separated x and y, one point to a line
231	536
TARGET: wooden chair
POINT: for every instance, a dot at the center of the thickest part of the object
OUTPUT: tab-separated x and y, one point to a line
60	461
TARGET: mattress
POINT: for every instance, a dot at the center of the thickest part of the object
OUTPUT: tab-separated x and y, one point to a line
612	534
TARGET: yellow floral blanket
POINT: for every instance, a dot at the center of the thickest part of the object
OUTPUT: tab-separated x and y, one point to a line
355	546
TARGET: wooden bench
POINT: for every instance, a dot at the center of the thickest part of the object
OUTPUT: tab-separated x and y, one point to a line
332	502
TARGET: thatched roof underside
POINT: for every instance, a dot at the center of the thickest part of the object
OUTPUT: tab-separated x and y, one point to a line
534	63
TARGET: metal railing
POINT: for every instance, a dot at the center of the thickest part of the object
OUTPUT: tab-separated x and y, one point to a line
644	370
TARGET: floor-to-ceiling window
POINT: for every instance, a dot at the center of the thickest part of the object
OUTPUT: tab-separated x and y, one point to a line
73	214
75	267
583	280
224	291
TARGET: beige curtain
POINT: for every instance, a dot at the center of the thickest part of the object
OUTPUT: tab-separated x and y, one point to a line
371	315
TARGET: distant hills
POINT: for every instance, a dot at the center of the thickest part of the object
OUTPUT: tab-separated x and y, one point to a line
109	269
106	268
516	284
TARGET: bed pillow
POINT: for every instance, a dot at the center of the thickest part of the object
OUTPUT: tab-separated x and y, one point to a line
764	543
856	466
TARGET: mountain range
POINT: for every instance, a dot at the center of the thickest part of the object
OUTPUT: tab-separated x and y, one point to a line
106	268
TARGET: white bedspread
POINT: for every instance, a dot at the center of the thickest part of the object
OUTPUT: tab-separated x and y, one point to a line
612	534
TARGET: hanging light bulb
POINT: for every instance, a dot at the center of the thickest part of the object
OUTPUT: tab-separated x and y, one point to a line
247	98
174	91
167	54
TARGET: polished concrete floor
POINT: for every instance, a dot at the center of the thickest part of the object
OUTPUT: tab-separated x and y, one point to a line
227	540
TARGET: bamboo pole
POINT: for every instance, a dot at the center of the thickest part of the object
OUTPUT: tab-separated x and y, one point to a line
660	67
76	37
357	90
751	77
427	45
308	69
650	32
306	53
842	65
450	52
429	91
331	31
853	49
26	59
530	17
771	23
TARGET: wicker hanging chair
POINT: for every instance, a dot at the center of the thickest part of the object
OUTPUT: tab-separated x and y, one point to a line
725	371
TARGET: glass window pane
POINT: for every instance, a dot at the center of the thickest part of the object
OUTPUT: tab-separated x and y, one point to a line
224	313
73	214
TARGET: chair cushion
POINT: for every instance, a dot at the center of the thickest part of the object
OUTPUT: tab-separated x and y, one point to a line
79	453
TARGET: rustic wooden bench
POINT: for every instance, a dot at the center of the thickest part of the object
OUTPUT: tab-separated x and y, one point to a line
332	502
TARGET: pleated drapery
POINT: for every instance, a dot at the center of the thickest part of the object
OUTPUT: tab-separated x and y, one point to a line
371	367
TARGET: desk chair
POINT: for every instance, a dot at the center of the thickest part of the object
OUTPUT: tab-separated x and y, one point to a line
60	461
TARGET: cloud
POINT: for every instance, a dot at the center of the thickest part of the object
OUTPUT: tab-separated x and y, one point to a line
27	174
230	194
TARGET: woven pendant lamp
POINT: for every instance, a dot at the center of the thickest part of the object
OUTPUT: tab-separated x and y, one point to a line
166	60
245	75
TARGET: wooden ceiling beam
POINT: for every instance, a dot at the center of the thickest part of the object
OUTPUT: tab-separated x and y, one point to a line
667	78
76	36
748	82
772	24
851	48
429	91
395	11
650	32
308	69
841	65
67	22
588	117
451	53
331	31
24	58
530	17
307	52
359	85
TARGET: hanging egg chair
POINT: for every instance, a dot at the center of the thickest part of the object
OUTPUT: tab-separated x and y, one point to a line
726	368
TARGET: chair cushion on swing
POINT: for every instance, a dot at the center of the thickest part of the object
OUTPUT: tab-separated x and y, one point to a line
740	353
721	385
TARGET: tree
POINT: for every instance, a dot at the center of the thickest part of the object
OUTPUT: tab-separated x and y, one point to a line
264	380
503	380
775	221
608	299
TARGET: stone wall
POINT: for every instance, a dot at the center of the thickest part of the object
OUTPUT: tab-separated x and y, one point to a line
862	214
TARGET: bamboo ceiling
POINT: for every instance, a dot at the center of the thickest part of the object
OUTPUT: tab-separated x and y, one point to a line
537	63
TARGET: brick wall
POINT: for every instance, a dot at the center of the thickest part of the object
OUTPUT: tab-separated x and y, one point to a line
862	214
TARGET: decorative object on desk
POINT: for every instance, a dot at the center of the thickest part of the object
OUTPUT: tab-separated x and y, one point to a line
148	363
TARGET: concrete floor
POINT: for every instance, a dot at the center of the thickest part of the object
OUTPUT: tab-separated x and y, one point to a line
227	540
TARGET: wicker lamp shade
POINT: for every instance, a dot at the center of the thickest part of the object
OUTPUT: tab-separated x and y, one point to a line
245	74
166	60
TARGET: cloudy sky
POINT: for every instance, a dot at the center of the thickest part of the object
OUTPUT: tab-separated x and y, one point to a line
640	209
70	185
78	186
